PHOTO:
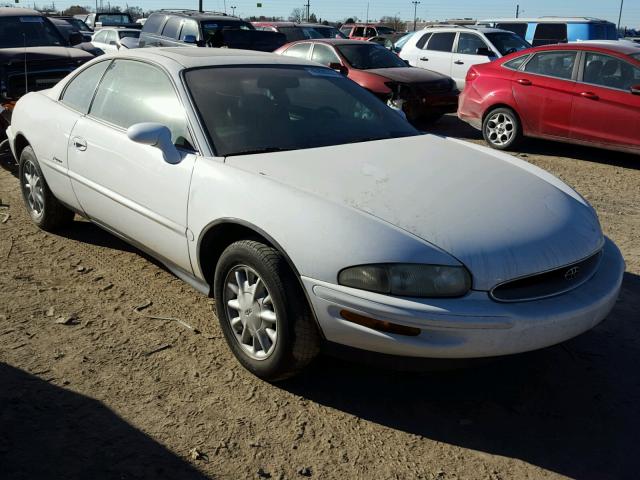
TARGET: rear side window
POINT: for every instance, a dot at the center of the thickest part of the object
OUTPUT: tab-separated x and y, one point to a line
131	92
301	50
172	28
441	42
516	63
154	23
358	32
423	41
549	33
552	64
101	37
517	28
80	90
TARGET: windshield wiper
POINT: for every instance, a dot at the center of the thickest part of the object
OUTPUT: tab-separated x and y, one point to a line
257	151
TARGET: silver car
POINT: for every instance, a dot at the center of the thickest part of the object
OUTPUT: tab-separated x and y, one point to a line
312	212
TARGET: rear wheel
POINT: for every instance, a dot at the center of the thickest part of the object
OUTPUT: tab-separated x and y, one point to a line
45	209
501	129
263	312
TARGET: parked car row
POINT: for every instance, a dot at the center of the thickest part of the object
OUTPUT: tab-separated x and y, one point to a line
316	216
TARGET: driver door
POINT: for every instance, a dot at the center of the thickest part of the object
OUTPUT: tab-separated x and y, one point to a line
466	55
125	186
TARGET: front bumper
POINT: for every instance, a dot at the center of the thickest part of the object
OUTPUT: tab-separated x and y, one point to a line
417	106
469	327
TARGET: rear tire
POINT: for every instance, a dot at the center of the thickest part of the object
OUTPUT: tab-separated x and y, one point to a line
263	312
501	129
45	209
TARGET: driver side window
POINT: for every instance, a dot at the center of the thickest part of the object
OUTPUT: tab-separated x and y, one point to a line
135	92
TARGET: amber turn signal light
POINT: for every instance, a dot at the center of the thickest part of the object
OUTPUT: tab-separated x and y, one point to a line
380	325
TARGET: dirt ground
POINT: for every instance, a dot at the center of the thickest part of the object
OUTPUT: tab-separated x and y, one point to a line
91	389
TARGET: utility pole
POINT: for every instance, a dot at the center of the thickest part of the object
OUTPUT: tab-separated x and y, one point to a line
367	21
308	5
415	13
200	6
233	10
517	10
225	6
620	16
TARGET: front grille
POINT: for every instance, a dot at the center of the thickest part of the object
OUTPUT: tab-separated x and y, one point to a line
439	86
549	283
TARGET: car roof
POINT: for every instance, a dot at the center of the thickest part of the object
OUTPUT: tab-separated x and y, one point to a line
179	58
461	28
545	20
624	48
18	12
119	29
197	15
334	41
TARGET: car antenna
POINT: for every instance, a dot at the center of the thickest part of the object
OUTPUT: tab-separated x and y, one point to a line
26	77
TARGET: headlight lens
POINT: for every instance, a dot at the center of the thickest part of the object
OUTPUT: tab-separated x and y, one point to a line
408	279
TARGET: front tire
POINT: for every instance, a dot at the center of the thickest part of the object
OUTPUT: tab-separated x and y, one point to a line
501	129
263	312
45	209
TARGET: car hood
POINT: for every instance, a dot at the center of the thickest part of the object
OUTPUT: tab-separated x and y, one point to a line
501	217
36	54
408	74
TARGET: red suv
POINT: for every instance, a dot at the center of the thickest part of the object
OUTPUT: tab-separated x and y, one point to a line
586	93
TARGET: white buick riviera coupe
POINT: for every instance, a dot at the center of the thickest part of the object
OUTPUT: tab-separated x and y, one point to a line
314	214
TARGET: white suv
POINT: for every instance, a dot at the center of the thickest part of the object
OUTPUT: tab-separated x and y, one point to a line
452	49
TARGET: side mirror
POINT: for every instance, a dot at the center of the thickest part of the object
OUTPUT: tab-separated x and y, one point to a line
635	89
189	39
485	52
155	135
338	67
75	38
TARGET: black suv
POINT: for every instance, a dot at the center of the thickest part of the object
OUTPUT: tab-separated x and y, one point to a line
171	28
33	56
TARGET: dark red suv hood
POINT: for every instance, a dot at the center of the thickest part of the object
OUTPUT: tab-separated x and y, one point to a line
407	74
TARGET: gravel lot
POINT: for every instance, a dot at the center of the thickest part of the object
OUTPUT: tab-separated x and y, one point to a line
99	396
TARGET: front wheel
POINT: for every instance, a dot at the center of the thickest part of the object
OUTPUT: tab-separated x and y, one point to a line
45	209
501	129
263	312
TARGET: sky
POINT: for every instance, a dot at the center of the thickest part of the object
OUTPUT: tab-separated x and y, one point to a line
427	9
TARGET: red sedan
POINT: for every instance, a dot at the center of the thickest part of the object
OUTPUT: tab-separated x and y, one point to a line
585	93
422	94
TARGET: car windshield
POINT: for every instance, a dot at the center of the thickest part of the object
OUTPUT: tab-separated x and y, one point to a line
129	33
402	41
259	109
329	32
113	18
79	24
298	33
507	42
28	31
385	30
367	56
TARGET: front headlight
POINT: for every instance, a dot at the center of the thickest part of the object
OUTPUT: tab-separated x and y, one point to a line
408	279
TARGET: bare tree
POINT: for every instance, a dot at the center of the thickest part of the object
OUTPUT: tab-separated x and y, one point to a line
393	22
297	15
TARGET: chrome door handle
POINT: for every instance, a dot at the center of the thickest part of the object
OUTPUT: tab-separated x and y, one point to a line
589	95
459	62
524	81
79	143
424	59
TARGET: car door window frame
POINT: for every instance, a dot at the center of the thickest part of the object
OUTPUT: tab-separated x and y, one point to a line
189	127
453	43
457	42
321	46
583	66
574	71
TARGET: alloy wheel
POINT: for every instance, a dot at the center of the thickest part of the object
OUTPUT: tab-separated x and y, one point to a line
251	312
500	128
32	186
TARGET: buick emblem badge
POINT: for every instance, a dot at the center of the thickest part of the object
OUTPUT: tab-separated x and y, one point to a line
571	273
